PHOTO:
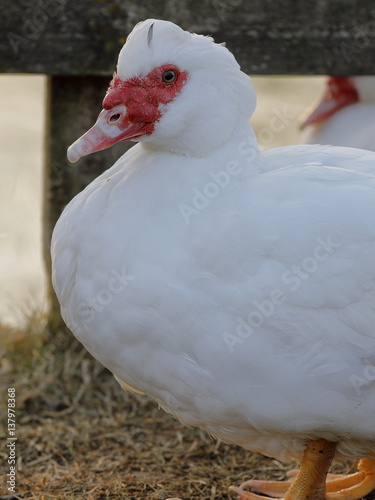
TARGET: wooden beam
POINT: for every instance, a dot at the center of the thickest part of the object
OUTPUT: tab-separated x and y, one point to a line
69	37
73	106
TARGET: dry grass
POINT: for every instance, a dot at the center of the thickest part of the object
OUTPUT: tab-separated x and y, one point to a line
80	436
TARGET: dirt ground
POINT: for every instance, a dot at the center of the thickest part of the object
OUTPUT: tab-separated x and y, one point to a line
80	436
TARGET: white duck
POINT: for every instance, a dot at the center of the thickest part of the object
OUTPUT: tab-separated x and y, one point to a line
345	115
234	287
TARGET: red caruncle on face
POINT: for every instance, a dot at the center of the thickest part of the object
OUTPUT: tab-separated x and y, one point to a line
130	109
144	95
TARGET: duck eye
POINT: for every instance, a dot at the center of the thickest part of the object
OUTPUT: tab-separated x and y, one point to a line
169	76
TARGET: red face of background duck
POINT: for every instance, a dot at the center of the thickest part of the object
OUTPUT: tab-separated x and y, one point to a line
340	92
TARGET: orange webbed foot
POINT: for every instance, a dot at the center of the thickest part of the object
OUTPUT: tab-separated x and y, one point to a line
312	480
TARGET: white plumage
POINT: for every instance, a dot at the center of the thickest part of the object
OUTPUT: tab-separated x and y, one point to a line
233	286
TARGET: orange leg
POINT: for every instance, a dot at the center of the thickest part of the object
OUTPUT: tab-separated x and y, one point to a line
310	482
277	489
354	486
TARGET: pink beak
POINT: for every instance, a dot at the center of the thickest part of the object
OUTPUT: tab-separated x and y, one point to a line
340	92
111	126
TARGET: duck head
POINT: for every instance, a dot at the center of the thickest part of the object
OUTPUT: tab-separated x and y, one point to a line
172	91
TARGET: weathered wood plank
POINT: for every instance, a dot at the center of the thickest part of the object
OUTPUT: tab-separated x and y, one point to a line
70	37
75	103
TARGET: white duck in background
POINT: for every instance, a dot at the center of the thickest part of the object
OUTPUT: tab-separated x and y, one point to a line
233	286
345	115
